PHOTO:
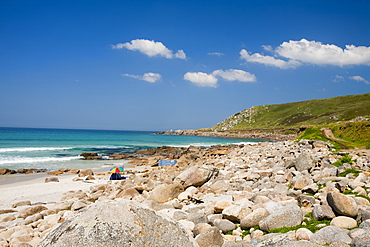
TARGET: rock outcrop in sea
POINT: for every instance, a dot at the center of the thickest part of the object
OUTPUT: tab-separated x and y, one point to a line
267	194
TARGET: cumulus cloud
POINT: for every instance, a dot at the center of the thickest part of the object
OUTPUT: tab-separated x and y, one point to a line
219	54
149	77
310	52
359	78
268	60
150	48
324	54
210	80
235	75
201	79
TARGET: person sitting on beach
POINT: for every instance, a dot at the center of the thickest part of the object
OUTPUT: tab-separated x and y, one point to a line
115	176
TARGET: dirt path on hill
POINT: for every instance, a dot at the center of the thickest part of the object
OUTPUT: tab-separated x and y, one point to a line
327	133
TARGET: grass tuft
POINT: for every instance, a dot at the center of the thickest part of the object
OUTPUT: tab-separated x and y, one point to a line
311	225
345	159
348	171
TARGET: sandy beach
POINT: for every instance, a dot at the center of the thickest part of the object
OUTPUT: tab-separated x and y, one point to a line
32	187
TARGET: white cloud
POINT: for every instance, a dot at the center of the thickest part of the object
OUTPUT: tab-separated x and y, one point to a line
180	54
235	75
338	78
268	60
219	54
267	48
359	78
312	52
149	77
210	80
324	54
150	48
201	79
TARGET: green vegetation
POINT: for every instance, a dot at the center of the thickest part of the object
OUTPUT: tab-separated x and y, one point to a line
312	133
247	232
348	171
294	115
345	159
310	224
354	133
321	186
337	114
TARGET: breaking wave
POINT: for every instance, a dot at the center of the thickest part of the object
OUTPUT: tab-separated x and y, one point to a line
16	160
33	149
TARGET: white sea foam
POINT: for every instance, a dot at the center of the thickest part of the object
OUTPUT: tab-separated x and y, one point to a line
18	159
33	149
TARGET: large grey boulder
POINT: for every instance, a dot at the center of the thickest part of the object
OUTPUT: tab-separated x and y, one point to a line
287	216
224	225
322	212
196	176
210	238
331	234
197	218
362	241
342	204
363	214
304	162
235	213
118	223
276	240
166	192
301	244
254	218
365	225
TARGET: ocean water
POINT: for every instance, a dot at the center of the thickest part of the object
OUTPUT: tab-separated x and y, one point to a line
53	149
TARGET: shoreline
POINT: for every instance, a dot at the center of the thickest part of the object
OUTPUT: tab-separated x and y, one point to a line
234	134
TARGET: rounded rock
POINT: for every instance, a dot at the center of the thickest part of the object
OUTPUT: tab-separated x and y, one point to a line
343	222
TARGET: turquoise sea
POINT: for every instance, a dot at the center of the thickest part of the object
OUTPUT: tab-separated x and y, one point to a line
52	149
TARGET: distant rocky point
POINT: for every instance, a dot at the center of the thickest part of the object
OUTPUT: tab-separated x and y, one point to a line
254	134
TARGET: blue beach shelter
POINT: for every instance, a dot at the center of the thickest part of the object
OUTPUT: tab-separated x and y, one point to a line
167	162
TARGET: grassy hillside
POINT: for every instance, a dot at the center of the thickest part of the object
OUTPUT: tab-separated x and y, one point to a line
356	134
346	116
294	115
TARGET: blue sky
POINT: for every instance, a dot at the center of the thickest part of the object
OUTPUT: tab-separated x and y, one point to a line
159	65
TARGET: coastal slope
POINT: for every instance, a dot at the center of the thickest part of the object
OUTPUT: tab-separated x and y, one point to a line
347	117
294	115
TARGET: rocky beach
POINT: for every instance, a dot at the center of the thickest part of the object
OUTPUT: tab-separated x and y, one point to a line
273	135
282	193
